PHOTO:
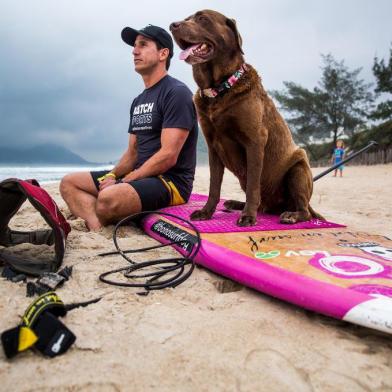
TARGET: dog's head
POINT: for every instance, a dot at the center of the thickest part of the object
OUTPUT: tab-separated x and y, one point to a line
205	36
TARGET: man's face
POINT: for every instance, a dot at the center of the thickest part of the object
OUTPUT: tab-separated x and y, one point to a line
146	55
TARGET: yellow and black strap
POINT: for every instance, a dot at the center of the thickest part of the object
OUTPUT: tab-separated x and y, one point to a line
40	328
175	196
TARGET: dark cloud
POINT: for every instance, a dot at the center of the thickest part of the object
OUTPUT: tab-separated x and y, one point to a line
67	78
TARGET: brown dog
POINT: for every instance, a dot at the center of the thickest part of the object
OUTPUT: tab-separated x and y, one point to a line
244	131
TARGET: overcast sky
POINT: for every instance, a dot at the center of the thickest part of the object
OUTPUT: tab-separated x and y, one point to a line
66	77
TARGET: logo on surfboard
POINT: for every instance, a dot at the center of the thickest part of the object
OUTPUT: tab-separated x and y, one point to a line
173	233
267	255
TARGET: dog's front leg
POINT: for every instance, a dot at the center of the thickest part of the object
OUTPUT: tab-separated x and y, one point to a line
216	177
254	167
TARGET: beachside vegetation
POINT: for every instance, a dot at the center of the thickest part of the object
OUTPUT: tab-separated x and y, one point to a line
383	74
342	105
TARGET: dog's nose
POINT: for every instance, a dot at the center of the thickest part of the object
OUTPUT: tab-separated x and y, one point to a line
175	26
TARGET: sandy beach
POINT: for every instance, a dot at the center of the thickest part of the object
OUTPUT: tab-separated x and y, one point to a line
208	334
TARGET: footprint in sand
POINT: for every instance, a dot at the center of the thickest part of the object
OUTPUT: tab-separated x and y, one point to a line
267	366
227	286
78	225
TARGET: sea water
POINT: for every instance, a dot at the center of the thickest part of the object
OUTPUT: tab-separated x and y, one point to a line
45	174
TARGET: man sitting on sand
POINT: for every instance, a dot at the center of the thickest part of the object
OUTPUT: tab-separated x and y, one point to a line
157	169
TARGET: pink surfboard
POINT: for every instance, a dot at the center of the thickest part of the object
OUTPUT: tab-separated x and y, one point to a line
321	266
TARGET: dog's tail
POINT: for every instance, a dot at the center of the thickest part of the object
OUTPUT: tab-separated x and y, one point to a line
315	214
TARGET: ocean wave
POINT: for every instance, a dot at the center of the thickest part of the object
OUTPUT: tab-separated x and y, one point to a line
45	174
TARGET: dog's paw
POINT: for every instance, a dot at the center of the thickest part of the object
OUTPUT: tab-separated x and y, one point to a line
201	215
246	220
289	217
234	205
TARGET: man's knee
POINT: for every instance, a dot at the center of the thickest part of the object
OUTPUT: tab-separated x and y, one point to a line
81	181
66	184
107	206
116	202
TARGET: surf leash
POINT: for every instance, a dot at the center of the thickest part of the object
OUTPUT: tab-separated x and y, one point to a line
349	158
41	328
170	272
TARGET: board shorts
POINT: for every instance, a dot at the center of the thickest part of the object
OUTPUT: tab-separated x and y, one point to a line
154	192
341	167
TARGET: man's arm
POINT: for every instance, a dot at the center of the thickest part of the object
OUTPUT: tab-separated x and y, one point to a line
172	141
125	165
128	159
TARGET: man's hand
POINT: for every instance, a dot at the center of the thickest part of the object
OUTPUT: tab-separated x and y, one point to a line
108	181
130	176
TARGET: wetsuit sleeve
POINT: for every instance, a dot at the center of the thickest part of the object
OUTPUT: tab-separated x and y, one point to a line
178	109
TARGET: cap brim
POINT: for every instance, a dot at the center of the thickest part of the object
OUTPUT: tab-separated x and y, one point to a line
129	35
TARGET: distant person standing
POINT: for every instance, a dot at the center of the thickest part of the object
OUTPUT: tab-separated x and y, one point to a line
157	169
338	156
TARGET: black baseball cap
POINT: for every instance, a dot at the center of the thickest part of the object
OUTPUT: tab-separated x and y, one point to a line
155	33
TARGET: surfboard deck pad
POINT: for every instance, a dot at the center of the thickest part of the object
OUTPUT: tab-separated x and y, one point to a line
317	265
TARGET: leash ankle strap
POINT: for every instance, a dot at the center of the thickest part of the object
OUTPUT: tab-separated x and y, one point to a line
40	328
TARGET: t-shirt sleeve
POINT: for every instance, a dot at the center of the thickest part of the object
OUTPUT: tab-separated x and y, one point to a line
178	109
130	117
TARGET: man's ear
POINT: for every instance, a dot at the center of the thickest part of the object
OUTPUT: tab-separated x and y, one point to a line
233	26
164	53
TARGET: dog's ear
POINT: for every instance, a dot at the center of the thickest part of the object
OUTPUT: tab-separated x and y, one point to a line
232	24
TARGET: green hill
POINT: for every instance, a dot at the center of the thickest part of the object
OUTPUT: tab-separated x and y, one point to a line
42	154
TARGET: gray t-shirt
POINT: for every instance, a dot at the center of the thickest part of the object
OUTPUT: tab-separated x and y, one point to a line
167	104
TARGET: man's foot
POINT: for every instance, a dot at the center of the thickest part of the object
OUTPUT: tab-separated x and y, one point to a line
93	225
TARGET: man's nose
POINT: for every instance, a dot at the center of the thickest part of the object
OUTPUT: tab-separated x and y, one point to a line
175	26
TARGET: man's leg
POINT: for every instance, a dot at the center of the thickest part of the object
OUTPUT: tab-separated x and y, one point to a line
80	193
117	202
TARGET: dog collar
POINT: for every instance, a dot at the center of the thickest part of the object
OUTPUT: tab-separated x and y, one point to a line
233	79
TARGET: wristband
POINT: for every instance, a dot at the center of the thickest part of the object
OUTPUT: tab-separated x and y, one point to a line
105	176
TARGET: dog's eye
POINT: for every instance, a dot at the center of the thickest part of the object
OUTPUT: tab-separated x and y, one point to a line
201	18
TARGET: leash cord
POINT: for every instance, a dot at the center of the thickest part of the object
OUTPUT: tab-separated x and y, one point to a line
154	279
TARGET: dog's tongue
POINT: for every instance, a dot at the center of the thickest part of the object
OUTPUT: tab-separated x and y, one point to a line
187	52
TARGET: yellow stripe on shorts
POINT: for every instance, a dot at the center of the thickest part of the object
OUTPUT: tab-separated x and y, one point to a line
175	197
